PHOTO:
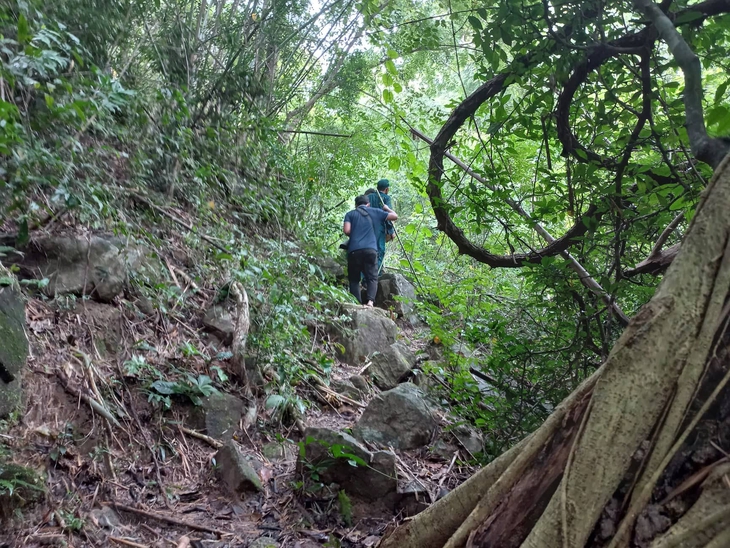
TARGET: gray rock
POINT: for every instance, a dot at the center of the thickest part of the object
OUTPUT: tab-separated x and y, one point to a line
412	498
278	451
221	323
421	379
234	471
219	415
330	268
462	349
379	480
360	383
369	330
395	291
470	439
376	481
443	450
388	367
264	542
399	418
346	388
13	349
106	517
97	265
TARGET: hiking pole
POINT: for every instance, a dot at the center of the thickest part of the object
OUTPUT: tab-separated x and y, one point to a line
397	237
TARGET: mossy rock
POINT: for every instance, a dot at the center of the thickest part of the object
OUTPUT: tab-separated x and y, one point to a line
20	487
13	349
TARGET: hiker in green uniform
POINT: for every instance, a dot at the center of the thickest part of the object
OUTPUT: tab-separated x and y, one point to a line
378	199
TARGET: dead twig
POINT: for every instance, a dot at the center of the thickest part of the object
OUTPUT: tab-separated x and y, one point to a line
207	439
185	276
327	390
448	470
128	542
166	519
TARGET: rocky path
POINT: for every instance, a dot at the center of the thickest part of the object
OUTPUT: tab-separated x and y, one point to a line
120	462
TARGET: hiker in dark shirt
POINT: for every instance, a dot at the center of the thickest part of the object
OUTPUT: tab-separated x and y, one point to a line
362	251
380	199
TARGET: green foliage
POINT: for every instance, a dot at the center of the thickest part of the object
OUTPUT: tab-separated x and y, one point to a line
345	507
193	387
182	102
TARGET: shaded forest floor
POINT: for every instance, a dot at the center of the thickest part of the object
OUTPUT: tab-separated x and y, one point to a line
150	480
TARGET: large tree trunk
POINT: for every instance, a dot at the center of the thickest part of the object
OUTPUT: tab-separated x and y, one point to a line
612	441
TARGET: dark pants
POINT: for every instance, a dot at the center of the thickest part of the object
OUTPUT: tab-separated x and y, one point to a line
363	261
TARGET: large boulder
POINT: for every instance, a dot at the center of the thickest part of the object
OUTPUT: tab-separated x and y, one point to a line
331	268
399	418
395	291
368	330
375	481
96	265
13	349
389	366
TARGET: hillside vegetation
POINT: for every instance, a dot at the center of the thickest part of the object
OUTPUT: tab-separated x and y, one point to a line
181	362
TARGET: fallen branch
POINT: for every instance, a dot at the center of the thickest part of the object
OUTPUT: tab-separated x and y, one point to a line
128	542
217	444
166	519
327	390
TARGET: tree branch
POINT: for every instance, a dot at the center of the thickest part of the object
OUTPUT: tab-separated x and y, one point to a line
704	147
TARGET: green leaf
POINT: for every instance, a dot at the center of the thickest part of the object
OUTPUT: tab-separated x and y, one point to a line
49	100
390	67
688	17
397	87
387	96
475	23
164	387
274	401
23	234
23	30
392	54
394	163
718	119
720	92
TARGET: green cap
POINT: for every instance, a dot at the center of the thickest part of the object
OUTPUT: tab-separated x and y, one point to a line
383	183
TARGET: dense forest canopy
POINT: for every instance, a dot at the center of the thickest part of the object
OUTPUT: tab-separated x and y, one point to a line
547	159
561	147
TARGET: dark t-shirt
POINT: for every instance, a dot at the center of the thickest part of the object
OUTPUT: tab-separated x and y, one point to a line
363	235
